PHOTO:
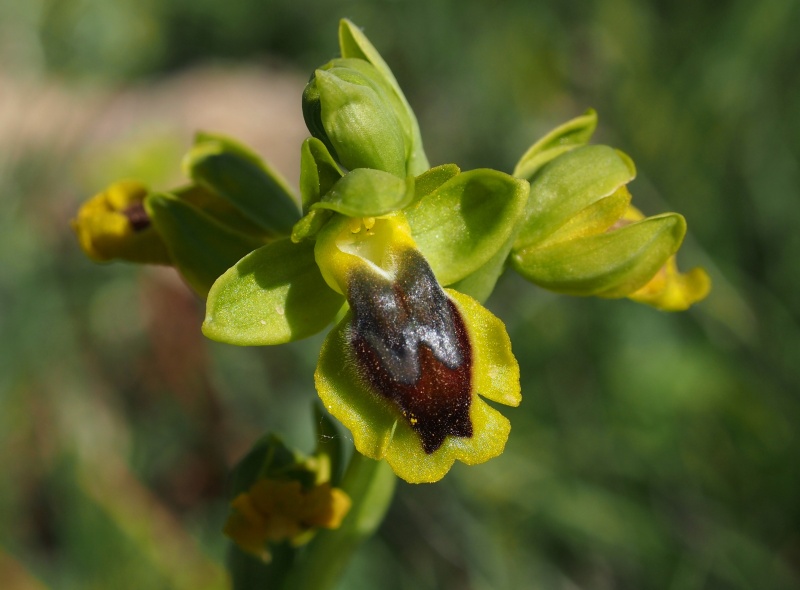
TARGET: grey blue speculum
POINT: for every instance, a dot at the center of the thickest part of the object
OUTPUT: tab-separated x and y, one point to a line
412	346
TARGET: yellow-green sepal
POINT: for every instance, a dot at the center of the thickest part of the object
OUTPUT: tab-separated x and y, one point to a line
568	185
364	192
380	431
354	44
318	171
274	295
462	224
221	209
480	283
611	264
598	217
236	174
199	246
567	136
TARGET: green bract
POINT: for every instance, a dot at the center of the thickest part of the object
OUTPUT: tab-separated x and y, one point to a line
199	246
231	171
318	172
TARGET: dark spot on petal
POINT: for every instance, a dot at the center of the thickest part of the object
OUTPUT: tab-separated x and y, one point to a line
137	216
412	346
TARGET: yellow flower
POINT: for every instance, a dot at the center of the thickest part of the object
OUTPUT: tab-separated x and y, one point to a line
278	510
115	224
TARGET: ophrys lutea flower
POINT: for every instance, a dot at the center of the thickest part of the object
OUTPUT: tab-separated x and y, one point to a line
399	256
405	368
406	365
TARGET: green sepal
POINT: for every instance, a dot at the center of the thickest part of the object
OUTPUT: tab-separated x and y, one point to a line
318	171
354	44
430	180
568	185
308	227
611	264
358	122
312	115
480	284
229	144
364	192
565	137
201	248
461	225
272	296
219	208
237	175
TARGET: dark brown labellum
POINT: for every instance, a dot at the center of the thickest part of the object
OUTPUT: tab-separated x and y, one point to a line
412	346
137	216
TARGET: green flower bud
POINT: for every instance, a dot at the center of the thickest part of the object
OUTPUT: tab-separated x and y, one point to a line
349	107
354	44
581	236
613	263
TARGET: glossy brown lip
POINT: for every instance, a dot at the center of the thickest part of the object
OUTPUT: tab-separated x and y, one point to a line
412	346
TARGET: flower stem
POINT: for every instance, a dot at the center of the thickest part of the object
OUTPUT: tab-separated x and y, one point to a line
370	485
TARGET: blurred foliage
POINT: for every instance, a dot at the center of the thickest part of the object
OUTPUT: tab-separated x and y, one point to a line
651	450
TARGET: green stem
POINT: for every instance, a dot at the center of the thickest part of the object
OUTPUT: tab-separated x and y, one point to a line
370	485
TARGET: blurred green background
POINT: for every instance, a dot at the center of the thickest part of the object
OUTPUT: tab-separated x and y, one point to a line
651	450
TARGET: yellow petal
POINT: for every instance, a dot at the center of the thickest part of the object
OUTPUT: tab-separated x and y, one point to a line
670	290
